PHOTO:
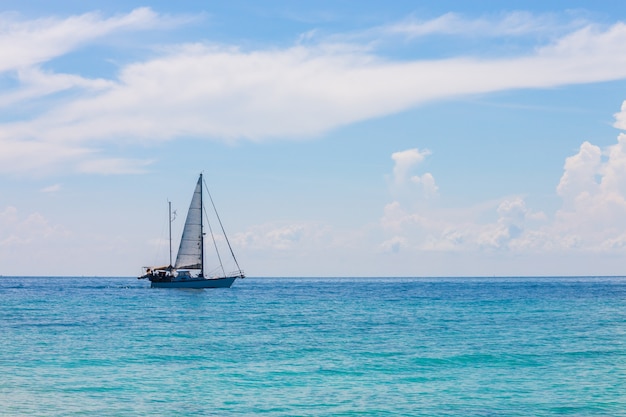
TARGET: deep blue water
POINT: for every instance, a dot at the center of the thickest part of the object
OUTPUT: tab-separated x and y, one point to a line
314	347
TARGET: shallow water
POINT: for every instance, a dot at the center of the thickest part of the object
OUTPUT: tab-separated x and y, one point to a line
319	347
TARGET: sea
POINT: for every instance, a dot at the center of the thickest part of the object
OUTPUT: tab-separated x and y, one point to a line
545	346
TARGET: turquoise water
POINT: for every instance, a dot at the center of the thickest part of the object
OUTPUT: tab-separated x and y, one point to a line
314	347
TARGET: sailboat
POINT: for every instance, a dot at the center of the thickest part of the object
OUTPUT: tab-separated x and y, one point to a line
188	270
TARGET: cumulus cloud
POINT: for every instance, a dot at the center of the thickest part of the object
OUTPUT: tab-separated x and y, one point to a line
508	231
282	237
461	230
419	226
17	229
593	188
405	161
416	225
427	182
394	244
396	218
405	180
620	118
580	173
592	217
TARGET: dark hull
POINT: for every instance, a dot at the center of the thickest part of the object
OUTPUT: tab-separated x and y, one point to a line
196	283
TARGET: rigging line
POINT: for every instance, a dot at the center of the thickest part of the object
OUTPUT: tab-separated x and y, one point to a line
221	225
214	242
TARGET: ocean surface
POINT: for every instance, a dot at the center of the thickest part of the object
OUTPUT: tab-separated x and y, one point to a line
314	347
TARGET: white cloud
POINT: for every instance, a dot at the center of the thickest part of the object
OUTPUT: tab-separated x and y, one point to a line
293	245
396	218
27	43
510	24
33	229
207	91
427	182
28	155
33	244
613	172
580	173
517	27
222	92
592	217
405	161
445	230
405	183
510	226
620	118
282	237
394	244
593	188
51	188
36	83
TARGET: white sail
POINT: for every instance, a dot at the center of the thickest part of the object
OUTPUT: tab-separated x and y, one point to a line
190	250
191	253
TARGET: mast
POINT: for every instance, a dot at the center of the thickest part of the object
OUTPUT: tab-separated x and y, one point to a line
201	232
169	203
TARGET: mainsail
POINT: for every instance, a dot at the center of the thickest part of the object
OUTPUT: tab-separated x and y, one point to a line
190	250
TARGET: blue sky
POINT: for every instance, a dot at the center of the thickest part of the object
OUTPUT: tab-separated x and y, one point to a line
346	138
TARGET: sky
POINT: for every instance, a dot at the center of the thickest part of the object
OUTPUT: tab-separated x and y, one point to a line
337	138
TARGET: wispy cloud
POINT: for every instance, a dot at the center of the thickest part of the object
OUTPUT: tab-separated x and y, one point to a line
221	92
35	83
519	28
113	166
51	188
30	42
514	24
